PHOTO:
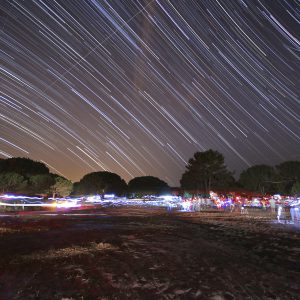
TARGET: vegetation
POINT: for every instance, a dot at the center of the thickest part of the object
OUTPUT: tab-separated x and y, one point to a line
26	176
206	171
12	181
283	178
61	186
295	190
147	185
258	178
288	174
100	183
40	184
23	166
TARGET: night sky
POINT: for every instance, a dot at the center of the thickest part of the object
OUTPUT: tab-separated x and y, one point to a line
135	87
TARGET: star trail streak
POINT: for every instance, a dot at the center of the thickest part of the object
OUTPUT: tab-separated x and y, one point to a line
136	87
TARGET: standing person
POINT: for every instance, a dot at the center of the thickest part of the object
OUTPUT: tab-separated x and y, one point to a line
281	211
272	205
232	205
263	204
294	209
297	210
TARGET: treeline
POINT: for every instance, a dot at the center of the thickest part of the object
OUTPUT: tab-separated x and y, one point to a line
205	171
111	183
282	179
25	176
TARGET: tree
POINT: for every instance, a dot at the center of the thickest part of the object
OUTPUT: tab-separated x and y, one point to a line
295	190
20	174
259	178
61	187
40	184
76	190
205	171
12	182
102	182
288	175
145	185
224	181
23	166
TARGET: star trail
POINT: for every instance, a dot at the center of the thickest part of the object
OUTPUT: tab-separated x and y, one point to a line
135	87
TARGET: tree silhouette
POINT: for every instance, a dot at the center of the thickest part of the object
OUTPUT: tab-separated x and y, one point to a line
258	178
288	174
62	187
295	190
23	166
12	182
145	185
41	183
206	170
100	183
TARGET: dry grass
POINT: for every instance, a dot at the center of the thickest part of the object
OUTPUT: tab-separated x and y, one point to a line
67	252
4	230
150	254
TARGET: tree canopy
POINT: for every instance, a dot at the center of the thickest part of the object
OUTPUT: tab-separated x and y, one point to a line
283	178
258	178
100	183
288	174
40	184
23	175
23	166
295	190
205	171
61	186
12	181
145	185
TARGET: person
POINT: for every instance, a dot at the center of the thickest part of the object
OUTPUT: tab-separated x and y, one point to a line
281	211
263	204
272	205
297	210
232	205
294	210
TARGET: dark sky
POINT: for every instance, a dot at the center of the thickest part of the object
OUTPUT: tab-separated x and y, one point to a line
136	87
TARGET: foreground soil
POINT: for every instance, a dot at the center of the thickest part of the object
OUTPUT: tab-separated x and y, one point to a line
143	253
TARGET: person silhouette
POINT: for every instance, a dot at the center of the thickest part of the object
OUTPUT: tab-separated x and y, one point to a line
281	211
294	210
272	205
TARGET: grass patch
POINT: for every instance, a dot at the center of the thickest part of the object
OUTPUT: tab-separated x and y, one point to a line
67	252
4	230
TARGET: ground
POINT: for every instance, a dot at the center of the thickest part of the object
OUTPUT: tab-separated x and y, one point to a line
148	253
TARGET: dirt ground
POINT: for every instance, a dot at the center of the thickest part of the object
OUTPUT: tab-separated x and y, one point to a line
147	253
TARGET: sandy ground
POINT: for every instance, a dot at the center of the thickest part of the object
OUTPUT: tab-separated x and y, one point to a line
144	253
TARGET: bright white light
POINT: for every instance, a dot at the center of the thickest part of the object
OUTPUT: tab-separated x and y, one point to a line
109	196
94	199
20	197
67	205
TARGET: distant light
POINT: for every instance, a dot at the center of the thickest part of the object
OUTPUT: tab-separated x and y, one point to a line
20	197
95	198
67	205
109	196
